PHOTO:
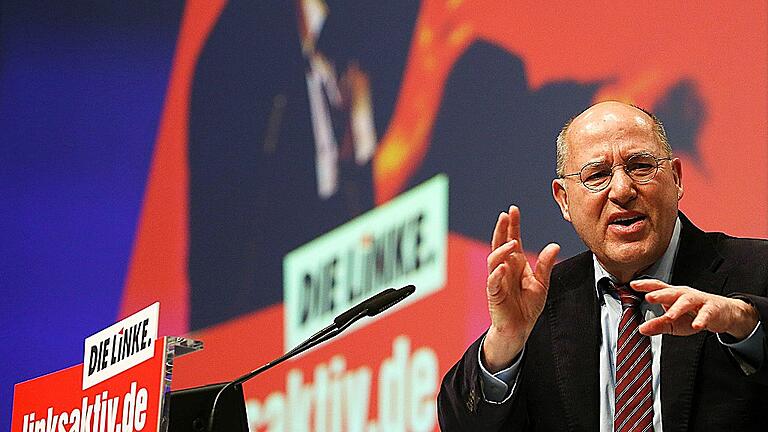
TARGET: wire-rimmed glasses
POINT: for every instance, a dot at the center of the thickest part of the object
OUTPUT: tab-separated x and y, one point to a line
640	167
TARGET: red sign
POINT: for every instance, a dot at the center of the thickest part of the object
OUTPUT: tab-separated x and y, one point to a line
128	402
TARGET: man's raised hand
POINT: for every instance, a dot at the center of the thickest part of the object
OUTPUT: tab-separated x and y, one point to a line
516	293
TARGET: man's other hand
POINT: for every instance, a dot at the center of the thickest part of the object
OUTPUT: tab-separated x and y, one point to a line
689	311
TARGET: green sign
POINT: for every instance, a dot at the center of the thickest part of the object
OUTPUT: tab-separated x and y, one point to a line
399	243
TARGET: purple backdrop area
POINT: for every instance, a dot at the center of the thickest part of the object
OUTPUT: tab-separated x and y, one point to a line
81	89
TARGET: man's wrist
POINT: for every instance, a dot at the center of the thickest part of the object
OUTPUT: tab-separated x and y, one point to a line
498	387
747	320
500	351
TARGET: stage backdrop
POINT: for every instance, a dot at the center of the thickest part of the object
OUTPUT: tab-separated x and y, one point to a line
259	167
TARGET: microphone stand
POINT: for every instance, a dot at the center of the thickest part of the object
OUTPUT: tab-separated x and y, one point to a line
314	340
370	307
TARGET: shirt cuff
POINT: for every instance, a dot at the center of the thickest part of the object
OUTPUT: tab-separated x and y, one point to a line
498	388
750	350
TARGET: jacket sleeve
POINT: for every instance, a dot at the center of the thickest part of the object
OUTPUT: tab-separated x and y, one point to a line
462	407
758	372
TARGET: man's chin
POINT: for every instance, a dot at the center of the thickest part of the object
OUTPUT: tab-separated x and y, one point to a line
630	257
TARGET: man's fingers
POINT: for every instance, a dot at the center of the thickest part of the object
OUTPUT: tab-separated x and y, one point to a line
648	285
703	318
500	231
656	326
545	262
687	310
683	305
513	229
495	279
517	261
500	254
664	296
657	291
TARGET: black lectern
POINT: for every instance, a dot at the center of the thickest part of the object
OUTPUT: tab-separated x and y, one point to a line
190	409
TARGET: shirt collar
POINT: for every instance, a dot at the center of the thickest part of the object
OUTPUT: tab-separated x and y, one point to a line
661	269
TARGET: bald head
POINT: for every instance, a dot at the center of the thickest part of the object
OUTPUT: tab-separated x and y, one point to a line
601	115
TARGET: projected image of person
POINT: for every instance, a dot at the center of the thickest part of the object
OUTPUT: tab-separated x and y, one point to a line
287	103
657	325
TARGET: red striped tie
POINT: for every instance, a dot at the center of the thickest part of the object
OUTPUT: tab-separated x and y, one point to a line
634	394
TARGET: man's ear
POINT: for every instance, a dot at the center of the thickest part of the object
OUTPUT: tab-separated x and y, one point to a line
561	197
677	172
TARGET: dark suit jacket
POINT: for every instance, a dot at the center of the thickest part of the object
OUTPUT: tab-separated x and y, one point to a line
702	386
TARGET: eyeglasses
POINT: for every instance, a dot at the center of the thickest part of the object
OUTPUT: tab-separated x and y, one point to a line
640	167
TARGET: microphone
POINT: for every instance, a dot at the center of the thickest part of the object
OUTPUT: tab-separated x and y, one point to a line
380	303
368	307
360	307
371	306
376	304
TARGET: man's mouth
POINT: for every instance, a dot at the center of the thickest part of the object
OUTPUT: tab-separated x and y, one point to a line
627	221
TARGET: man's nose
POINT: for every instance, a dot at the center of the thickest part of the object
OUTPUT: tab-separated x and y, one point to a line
622	188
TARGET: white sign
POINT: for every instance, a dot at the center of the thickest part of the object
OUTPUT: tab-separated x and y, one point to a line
120	346
399	243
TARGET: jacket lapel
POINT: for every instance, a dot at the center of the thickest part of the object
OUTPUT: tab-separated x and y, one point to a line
695	266
575	330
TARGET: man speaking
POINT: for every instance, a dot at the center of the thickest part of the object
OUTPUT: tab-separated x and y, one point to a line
659	326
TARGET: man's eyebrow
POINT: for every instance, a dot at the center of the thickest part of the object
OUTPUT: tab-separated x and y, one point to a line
602	159
640	153
594	161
